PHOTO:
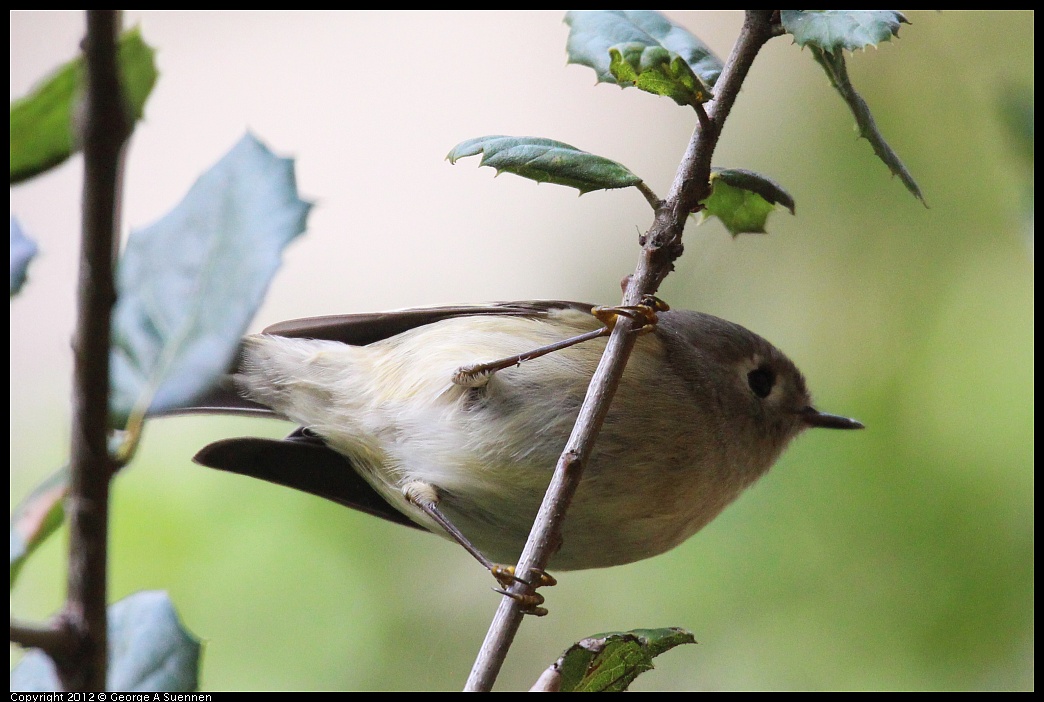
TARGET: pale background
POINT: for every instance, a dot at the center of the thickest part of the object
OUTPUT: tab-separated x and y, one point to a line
899	557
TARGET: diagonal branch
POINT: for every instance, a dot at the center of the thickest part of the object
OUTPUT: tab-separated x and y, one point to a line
661	246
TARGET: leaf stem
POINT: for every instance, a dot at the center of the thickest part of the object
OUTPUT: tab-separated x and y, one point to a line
652	198
661	245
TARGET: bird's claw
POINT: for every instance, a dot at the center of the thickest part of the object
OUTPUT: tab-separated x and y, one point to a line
643	314
530	602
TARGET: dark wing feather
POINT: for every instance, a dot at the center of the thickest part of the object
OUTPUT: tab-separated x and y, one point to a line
363	329
304	463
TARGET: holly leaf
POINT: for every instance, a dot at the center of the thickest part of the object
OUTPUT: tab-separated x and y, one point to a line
834	30
546	161
610	662
43	132
837	72
190	283
645	49
743	200
23	250
149	651
655	70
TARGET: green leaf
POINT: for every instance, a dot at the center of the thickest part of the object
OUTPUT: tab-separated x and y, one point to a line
655	70
23	249
546	161
762	185
611	662
190	283
833	30
743	200
149	651
642	41
38	516
42	123
837	72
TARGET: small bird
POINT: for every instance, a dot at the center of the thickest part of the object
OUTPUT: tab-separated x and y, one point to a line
402	416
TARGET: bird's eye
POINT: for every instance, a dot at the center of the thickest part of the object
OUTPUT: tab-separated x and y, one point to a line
761	380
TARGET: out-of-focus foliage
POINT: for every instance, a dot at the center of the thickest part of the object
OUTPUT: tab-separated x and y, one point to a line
149	651
43	123
190	283
23	250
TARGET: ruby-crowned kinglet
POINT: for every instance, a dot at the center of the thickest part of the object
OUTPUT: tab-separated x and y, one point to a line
704	408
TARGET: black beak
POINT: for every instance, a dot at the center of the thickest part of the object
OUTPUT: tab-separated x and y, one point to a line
815	418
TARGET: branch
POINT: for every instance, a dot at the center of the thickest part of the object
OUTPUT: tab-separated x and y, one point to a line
51	638
104	131
661	245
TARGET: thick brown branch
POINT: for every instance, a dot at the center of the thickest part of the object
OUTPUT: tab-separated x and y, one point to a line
660	247
104	131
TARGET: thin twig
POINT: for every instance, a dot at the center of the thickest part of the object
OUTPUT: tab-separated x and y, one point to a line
104	131
661	245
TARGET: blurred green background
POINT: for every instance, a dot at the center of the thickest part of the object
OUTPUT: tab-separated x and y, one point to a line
897	557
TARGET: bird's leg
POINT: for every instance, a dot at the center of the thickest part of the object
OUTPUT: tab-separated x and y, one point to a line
478	374
425	497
